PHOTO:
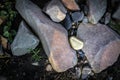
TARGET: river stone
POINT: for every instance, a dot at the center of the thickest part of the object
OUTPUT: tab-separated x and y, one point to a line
116	15
24	41
101	45
77	16
71	5
76	43
53	36
56	10
97	9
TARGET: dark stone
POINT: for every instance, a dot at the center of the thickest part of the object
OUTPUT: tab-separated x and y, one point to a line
77	16
67	22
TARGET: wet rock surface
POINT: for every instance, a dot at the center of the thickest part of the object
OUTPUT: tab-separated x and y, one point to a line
24	41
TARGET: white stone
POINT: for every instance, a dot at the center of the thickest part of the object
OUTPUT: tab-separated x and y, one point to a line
76	43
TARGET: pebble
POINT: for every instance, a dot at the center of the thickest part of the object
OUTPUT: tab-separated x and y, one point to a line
76	43
67	22
56	10
77	16
49	67
35	63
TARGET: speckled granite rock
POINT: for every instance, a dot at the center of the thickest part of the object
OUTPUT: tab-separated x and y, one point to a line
53	36
101	45
24	41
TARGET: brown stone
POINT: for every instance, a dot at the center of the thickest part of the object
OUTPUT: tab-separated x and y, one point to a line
71	4
56	10
53	36
101	45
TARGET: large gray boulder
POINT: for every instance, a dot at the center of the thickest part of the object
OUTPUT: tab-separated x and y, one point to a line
53	36
97	9
56	10
101	45
24	41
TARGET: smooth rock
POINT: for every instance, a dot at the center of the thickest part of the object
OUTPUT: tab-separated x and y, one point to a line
49	67
24	41
76	43
77	16
35	63
101	45
67	22
86	71
71	5
116	15
56	10
53	36
97	9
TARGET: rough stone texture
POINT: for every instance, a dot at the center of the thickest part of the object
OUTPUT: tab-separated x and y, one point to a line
101	45
116	15
24	41
71	4
56	10
97	9
53	36
77	16
76	43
